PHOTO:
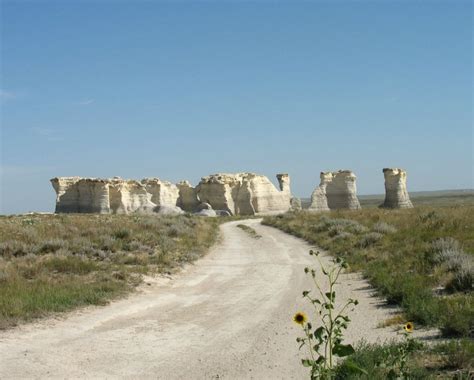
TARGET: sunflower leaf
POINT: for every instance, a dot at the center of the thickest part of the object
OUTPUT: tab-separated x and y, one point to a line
342	350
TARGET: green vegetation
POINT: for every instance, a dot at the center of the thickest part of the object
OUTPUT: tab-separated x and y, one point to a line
420	259
453	360
249	230
52	263
324	339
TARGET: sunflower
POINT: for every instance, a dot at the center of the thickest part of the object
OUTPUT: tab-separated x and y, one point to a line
409	327
300	318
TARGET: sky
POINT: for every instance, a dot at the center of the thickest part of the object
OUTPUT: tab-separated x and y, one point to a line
179	90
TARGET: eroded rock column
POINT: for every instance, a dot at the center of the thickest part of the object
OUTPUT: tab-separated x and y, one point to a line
319	201
342	191
67	196
396	194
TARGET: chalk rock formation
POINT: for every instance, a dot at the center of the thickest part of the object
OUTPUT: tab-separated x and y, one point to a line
163	193
67	194
169	210
205	212
245	193
295	204
115	195
242	193
188	199
319	201
342	192
337	190
396	194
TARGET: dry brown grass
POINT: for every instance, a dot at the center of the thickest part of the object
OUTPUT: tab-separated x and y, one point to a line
51	263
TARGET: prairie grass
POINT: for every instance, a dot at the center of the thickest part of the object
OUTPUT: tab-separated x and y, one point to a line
420	259
53	263
450	360
251	231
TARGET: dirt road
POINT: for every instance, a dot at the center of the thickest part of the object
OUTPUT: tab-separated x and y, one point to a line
227	317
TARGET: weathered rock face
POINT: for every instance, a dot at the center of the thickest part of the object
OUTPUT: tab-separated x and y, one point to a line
67	194
188	199
319	201
128	196
242	193
337	190
163	193
117	196
342	192
245	193
396	194
295	204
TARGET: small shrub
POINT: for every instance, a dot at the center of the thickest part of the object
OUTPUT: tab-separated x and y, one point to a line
448	251
429	216
459	354
69	264
136	246
166	244
343	236
81	246
63	252
319	227
357	228
384	228
179	228
336	225
52	245
444	244
336	229
3	275
381	361
14	248
122	234
462	279
457	318
369	239
108	243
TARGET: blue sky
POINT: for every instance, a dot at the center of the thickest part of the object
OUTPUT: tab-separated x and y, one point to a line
179	90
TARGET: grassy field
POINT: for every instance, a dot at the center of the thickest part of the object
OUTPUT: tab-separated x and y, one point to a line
53	263
449	360
420	259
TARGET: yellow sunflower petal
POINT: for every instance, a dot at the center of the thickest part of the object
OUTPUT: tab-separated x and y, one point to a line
409	327
300	318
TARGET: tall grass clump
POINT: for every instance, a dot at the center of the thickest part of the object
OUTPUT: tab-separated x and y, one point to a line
447	252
